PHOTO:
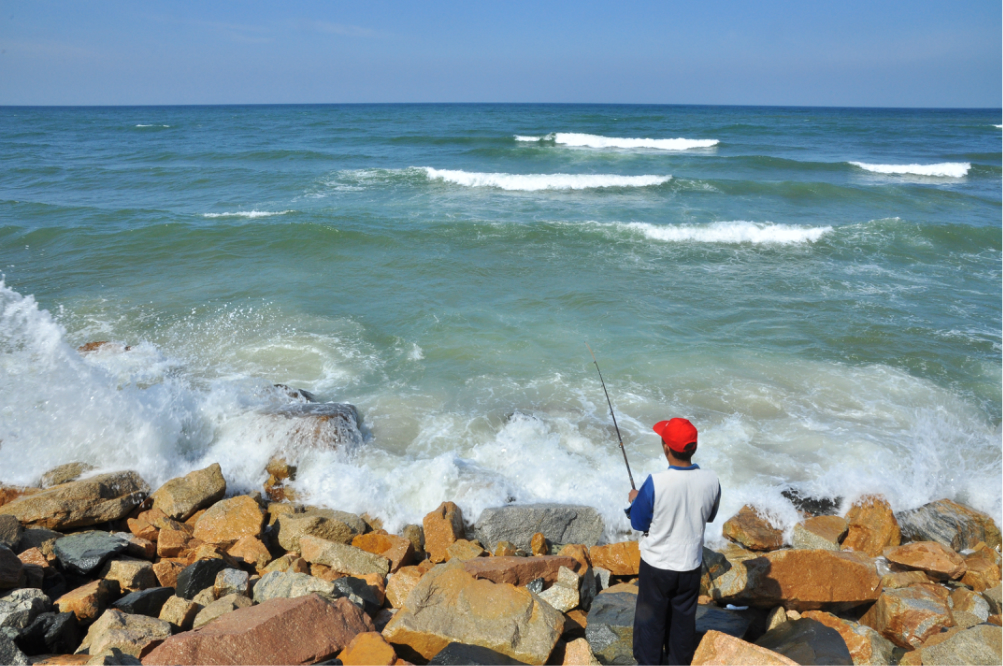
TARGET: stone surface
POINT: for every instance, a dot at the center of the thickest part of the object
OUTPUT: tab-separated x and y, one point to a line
519	571
360	593
950	524
505	549
342	558
220	607
205	597
80	503
449	605
718	648
559	523
147	602
579	553
132	634
982	569
978	645
871	526
228	520
963	599
463	550
577	652
198	576
909	616
302	630
398	550
291	527
904	579
179	613
87	602
458	654
85	552
866	646
753	530
167	572
9	652
564	593
290	562
172	542
288	585
10	531
64	474
138	547
131	575
416	535
400	584
368	648
992	596
807	641
621	559
442	528
819	532
10	568
19	608
181	497
38	537
232	581
610	627
538	545
50	633
307	426
935	559
251	552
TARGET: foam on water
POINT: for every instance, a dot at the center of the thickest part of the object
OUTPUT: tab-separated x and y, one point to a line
537	182
251	214
943	170
595	141
738	231
152	125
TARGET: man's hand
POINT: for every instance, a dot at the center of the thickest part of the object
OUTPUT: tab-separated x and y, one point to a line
632	496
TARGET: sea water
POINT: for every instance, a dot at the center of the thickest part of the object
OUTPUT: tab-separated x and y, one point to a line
818	290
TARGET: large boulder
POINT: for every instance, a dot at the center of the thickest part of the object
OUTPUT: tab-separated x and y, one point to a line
871	526
753	530
910	615
303	630
293	526
461	654
341	558
228	520
449	605
937	560
85	552
819	532
11	568
98	499
289	585
867	647
519	571
397	549
442	527
717	648
64	474
87	602
980	644
400	584
807	641
620	559
132	634
950	524
180	498
559	523
50	633
305	426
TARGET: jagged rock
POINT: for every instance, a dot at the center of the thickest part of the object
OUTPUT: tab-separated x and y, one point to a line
87	602
179	613
982	568
398	550
720	648
38	537
11	568
909	616
131	575
519	571
400	584
980	644
807	641
50	633
416	535
963	599
167	572
85	552
820	532
753	530
563	594
776	617
359	593
538	545
992	596
64	474
205	597
132	634
449	605
198	576
576	652
950	524
457	654
19	608
172	542
229	520
180	498
303	630
344	559
368	649
350	519
936	560
220	607
232	581
622	559
291	527
10	531
286	585
290	562
147	602
464	550
442	528
137	547
559	523
9	652
95	500
899	579
871	526
250	551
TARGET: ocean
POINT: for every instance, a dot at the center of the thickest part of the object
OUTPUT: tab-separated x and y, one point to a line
817	289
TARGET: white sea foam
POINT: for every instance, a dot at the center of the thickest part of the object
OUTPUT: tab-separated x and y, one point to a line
998	126
542	181
942	170
738	231
248	213
152	125
597	141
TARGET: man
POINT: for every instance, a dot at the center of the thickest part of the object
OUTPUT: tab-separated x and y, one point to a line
672	508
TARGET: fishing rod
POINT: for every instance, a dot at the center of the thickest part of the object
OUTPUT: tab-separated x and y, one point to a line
610	403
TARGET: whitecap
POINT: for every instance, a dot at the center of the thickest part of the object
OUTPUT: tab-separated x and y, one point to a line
942	170
737	231
596	141
152	125
542	181
248	213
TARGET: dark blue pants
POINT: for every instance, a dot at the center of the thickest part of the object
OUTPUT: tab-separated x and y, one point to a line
665	618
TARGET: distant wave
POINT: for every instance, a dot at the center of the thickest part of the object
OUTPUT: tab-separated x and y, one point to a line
738	231
248	213
943	170
998	126
596	141
152	125
542	181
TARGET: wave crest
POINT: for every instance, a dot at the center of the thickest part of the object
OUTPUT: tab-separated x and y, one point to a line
541	181
942	170
248	213
734	232
596	141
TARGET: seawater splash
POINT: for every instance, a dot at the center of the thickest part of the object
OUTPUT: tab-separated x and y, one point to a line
739	231
596	141
943	170
250	214
537	182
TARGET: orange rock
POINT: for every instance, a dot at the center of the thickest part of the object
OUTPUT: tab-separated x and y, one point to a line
866	645
911	615
982	569
142	529
368	648
88	601
426	566
171	542
518	570
718	648
579	553
398	550
538	545
195	517
504	549
464	550
442	528
994	619
912	658
324	572
401	583
377	585
167	572
936	560
810	580
35	556
621	559
871	526
904	579
210	551
63	660
229	520
576	652
11	493
819	532
751	529
250	551
575	622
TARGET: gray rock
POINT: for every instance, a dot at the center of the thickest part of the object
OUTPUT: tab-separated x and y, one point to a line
50	633
11	568
90	501
9	652
994	596
286	585
948	523
718	619
357	591
610	628
10	531
85	552
350	519
457	654
232	581
198	576
220	607
559	523
147	602
64	474
19	608
807	641
602	577
326	424
535	585
36	537
980	644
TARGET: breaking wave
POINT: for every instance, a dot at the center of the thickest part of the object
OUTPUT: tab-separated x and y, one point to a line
542	181
942	170
738	231
597	141
248	213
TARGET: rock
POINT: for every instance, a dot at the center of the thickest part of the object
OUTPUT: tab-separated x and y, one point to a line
505	549
50	633
719	648
610	627
344	559
463	550
137	547
229	520
350	519
11	568
167	572
621	559
867	647
10	531
360	593
820	532
538	545
85	552
302	630
9	652
291	527
519	571
871	526
205	597
232	581
132	634
978	645
909	616
325	425
807	641
776	617
982	569
753	530
113	657
904	579
936	560
198	576
20	608
449	605
579	553
398	550
992	596
287	585
181	497
251	552
382	619
148	602
457	654
559	523
712	618
64	474
602	577
89	601
172	542
131	575
442	528
963	599
401	583
179	613
220	607
38	537
290	562
367	648
563	594
949	524
577	652
416	535
95	500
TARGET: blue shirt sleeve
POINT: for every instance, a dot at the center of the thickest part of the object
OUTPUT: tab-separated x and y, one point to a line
643	507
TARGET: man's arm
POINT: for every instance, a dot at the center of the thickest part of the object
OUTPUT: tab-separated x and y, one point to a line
643	507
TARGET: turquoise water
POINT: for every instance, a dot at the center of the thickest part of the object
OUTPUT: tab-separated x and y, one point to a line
819	290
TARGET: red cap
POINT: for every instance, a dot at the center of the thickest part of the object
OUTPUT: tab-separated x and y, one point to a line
677	433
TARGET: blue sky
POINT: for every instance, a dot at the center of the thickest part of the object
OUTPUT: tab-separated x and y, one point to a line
809	52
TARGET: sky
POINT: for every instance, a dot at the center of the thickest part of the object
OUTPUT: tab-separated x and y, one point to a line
915	53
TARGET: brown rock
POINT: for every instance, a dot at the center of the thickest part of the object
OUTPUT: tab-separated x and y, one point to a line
981	644
171	542
538	545
620	559
909	616
574	652
131	575
62	660
463	550
368	648
579	553
911	658
871	526
325	573
442	528
131	634
209	551
398	550
179	613
416	535
300	630
951	524
294	526
866	645
518	571
718	648
181	497
219	608
377	584
35	556
982	569
143	529
936	560
290	562
899	579
995	619
95	500
345	559
575	622
64	474
139	547
505	549
751	529
251	552
963	599
11	493
821	532
167	572
88	601
229	520
401	583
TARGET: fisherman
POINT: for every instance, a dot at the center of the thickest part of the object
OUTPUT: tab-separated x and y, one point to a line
672	508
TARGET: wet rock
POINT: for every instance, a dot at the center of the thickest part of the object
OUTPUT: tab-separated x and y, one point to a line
64	474
867	647
559	523
909	616
307	426
91	501
87	602
303	630
287	585
228	520
85	552
251	552
519	571
978	645
442	528
198	576
401	583
621	559
19	608
720	648
366	649
982	569
449	605
820	532
753	530
148	602
950	524
10	531
179	613
936	560
463	550
9	652
220	607
180	498
398	550
871	526
131	575
50	633
131	634
344	559
807	641
292	527
11	568
105	346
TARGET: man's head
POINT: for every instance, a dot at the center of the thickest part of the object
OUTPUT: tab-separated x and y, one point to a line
679	439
